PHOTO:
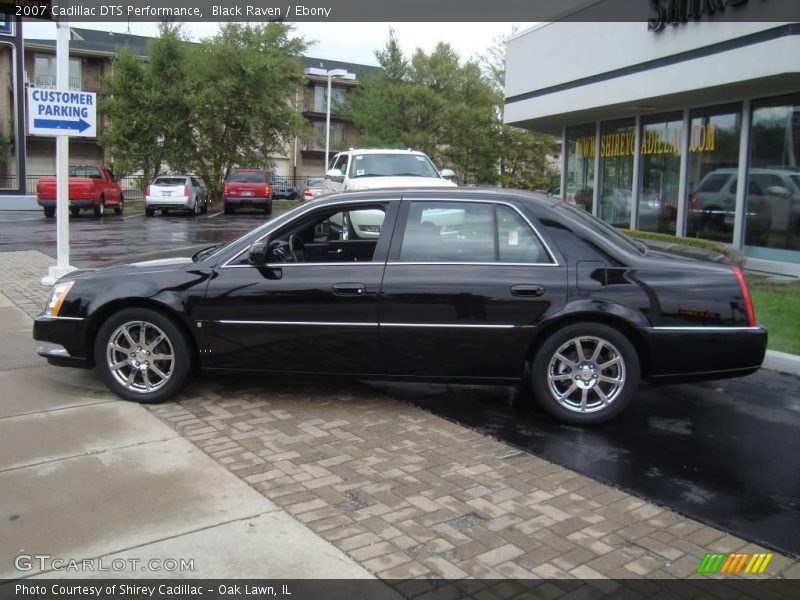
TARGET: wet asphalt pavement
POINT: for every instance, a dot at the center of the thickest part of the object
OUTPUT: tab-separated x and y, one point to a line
726	452
94	241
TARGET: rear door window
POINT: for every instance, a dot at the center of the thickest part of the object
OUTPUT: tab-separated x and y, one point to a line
469	232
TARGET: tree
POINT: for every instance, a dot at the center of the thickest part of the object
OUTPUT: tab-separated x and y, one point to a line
205	107
242	91
146	104
523	153
433	103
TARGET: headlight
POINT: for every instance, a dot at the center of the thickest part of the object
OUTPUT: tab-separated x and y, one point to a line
57	296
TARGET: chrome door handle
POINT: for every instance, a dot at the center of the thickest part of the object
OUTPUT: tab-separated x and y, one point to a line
527	291
348	289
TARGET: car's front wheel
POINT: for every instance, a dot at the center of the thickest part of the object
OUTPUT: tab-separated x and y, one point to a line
142	355
585	373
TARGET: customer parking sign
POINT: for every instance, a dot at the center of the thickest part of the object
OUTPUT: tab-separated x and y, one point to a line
53	112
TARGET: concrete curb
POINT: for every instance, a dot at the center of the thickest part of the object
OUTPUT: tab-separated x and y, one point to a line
782	361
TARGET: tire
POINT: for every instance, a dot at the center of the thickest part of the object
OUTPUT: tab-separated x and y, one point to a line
119	208
150	212
129	379
164	212
49	211
197	207
268	208
229	209
573	378
74	211
100	207
204	209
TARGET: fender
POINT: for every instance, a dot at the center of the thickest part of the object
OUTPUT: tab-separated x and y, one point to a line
587	307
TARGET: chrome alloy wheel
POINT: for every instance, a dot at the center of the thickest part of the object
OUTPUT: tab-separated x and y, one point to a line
586	374
140	356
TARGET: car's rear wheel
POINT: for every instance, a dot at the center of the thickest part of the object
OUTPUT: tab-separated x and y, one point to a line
585	373
49	211
150	212
164	212
119	208
100	207
142	355
197	207
205	207
74	211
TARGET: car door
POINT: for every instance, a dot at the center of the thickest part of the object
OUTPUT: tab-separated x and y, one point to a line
335	183
465	285
316	315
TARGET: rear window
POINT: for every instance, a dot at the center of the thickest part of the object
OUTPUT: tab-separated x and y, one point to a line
315	182
170	181
247	177
603	228
90	172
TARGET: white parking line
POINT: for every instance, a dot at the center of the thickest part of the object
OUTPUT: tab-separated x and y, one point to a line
133	216
216	214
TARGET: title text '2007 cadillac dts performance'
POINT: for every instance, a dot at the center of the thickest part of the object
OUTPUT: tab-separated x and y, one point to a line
448	285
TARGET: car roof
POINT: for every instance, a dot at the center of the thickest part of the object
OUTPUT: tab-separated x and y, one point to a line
381	151
440	193
246	169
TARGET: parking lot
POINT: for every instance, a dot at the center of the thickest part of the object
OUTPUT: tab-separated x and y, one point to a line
94	241
720	452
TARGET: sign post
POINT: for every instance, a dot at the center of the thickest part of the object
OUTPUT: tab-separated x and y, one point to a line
63	114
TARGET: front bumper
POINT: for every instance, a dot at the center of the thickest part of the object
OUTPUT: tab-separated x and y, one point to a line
682	354
62	341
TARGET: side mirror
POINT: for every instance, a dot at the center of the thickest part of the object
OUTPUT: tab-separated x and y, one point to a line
448	173
778	190
334	174
259	252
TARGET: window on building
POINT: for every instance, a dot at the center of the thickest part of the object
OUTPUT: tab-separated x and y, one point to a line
772	227
660	173
337	140
712	171
616	172
579	178
44	71
338	98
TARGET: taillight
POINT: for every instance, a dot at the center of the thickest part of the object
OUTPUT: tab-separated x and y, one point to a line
307	193
266	190
147	191
748	302
186	190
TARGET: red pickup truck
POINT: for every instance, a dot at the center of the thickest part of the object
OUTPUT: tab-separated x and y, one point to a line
89	187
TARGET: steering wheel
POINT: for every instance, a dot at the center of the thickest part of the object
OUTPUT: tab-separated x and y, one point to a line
297	248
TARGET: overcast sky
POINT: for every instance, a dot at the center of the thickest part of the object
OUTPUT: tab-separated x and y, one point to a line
351	42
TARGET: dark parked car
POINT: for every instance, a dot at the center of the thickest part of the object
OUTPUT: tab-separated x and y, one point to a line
247	188
468	286
283	189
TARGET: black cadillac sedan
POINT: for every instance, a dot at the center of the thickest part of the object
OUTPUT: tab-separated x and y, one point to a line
444	285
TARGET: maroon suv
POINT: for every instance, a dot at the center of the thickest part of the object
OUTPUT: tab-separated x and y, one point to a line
247	187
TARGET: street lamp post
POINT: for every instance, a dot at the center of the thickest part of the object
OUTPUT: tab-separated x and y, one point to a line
330	75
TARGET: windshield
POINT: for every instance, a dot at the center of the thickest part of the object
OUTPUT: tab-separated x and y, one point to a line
170	181
391	165
247	177
91	172
604	229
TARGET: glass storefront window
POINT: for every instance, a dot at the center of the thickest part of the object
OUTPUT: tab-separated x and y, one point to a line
772	226
616	172
660	173
579	178
712	172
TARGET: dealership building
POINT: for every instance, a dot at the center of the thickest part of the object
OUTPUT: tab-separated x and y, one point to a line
659	128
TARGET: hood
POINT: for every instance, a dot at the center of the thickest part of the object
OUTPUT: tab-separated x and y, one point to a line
161	259
371	183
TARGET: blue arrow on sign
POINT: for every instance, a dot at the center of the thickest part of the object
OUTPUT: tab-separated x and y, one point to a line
80	125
